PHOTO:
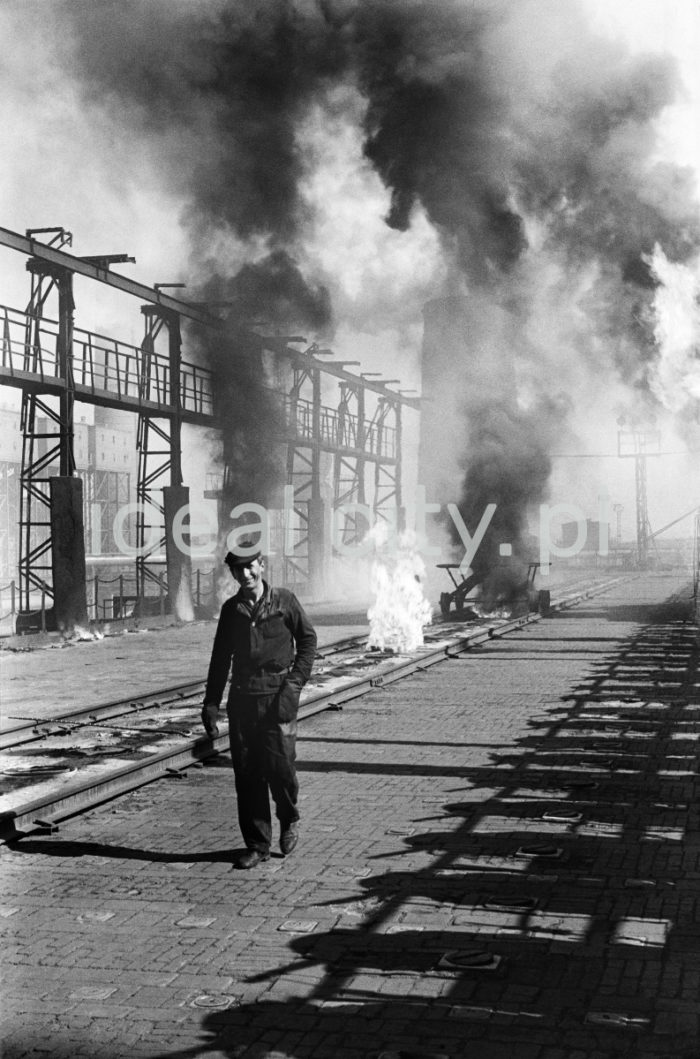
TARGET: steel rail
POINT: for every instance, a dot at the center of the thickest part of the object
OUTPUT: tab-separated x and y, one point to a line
37	728
45	813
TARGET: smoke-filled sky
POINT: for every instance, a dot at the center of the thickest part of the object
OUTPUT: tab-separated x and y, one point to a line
332	165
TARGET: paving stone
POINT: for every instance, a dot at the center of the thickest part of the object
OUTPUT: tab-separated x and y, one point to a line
492	733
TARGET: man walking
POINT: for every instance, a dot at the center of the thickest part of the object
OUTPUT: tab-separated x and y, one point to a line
267	641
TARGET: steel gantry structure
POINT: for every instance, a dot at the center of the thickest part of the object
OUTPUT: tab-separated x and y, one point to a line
353	439
55	363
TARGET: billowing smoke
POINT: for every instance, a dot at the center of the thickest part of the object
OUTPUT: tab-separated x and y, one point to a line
507	464
273	293
528	142
218	89
249	415
248	407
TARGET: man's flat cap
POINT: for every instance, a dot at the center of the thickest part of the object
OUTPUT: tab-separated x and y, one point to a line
244	552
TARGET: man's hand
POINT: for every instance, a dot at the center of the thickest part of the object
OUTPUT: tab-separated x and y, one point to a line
210	717
288	701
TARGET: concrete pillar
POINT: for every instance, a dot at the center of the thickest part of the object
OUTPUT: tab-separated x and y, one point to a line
319	547
68	553
178	562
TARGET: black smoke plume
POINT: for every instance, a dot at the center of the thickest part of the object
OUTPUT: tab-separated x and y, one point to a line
508	464
249	415
273	293
224	86
218	89
515	151
270	297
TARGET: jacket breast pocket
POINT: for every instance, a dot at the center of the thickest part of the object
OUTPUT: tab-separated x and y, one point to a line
273	628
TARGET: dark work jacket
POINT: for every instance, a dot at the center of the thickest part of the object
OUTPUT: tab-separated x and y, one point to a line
274	644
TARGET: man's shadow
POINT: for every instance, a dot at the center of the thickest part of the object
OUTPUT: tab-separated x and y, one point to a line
51	847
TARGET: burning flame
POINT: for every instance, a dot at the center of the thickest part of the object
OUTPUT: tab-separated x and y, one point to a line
83	635
677	331
184	608
400	610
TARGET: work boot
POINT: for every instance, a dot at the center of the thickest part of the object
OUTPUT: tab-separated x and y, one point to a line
251	858
289	837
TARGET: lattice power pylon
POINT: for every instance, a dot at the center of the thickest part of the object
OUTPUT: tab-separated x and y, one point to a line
640	444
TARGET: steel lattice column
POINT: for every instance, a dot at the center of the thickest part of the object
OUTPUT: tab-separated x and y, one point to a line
349	465
387	469
303	470
47	431
160	493
153	443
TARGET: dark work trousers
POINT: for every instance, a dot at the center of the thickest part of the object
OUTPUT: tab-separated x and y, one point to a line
263	751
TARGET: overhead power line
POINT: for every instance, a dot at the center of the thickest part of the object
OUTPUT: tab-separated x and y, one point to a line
616	455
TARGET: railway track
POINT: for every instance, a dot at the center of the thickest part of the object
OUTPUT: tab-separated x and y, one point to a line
53	769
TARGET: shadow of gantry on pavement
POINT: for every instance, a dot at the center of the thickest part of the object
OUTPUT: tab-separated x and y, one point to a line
539	902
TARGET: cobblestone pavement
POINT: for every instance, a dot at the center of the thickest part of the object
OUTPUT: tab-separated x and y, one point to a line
499	857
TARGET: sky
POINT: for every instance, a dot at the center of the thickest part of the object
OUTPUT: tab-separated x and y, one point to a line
357	160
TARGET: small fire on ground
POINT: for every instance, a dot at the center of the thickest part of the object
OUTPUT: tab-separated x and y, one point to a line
81	634
400	610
